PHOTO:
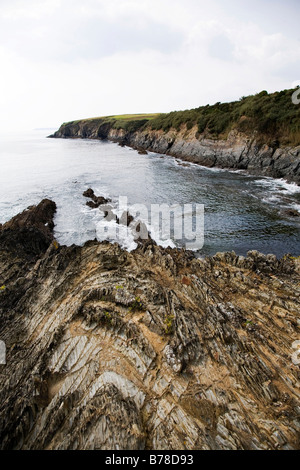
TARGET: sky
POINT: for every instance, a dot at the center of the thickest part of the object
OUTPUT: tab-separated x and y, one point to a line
70	59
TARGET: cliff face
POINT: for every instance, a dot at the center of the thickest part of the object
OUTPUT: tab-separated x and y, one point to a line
238	151
145	350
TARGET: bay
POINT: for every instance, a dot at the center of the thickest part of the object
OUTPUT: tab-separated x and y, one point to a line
242	212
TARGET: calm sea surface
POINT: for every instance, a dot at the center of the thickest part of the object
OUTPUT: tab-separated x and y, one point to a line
242	212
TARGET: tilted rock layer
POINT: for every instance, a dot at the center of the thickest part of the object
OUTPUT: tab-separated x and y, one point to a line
152	349
239	151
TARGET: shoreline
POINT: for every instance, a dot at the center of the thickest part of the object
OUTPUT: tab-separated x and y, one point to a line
238	152
127	155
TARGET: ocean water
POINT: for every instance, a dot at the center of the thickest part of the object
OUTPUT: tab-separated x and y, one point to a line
242	212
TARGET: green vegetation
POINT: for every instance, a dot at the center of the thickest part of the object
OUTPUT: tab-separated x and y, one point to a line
136	305
273	116
169	324
291	258
133	117
108	317
131	122
128	122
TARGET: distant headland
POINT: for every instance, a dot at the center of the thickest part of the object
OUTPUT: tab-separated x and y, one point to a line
259	134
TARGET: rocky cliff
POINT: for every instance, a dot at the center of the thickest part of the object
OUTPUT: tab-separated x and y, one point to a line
239	151
152	349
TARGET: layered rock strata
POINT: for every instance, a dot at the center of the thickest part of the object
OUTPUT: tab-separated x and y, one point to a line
152	349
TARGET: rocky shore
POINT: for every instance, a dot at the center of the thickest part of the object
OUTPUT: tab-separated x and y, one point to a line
152	349
238	152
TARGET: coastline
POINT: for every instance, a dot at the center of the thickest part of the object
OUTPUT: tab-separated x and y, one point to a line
237	152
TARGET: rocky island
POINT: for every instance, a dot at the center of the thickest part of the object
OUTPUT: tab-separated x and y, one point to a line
152	349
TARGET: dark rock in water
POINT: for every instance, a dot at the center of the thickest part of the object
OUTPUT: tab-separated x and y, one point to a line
30	232
126	219
140	150
25	239
96	205
89	193
97	200
92	204
292	213
40	216
152	349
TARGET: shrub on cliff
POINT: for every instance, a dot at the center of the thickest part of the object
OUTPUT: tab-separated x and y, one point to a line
273	116
130	126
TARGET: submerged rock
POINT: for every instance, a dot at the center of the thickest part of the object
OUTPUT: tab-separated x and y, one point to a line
152	349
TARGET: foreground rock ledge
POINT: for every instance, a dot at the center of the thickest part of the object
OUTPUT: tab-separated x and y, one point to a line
145	350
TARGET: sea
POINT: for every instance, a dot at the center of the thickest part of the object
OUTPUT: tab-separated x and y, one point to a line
240	212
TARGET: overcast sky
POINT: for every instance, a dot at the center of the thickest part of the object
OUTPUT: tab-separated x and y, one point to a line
69	59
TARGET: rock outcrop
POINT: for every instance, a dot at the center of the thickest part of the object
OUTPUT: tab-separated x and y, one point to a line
96	201
239	151
152	349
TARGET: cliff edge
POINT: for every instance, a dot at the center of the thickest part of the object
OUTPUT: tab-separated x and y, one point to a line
259	134
152	349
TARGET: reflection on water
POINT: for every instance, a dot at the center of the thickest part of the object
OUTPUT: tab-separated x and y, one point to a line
241	212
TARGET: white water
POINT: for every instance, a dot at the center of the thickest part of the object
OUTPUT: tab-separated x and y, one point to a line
241	212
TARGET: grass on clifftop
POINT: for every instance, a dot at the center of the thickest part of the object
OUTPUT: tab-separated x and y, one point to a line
273	117
133	117
128	122
131	122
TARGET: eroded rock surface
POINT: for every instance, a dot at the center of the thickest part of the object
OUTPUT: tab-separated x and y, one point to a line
152	349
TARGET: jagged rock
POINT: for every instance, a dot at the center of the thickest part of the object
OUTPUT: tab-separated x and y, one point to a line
26	237
152	349
39	217
97	201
